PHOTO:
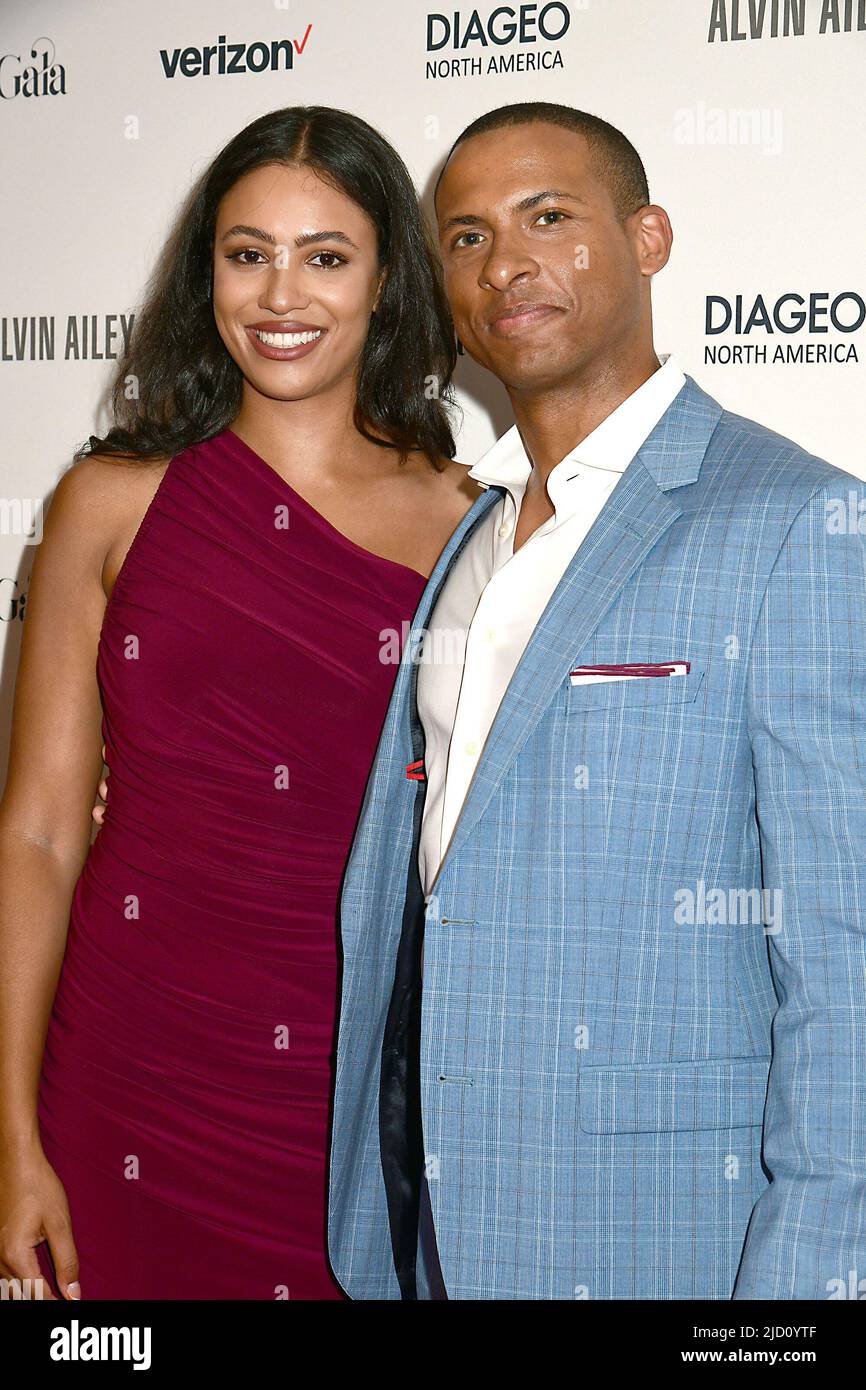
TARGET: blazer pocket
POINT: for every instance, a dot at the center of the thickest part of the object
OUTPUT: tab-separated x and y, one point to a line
655	1097
643	690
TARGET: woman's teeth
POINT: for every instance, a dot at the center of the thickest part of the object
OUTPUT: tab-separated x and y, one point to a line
287	340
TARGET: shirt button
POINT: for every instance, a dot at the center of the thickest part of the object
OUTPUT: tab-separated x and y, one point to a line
505	530
491	634
471	749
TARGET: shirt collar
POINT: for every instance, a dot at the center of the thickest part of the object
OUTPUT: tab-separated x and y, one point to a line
609	448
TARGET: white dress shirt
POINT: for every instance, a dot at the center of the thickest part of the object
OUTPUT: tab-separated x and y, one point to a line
492	599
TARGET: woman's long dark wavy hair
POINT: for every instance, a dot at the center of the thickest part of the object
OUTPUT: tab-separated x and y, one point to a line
188	387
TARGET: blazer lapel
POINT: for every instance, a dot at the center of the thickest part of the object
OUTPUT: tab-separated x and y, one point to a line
449	555
637	513
402	728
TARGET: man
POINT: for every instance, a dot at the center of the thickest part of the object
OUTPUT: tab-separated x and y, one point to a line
636	865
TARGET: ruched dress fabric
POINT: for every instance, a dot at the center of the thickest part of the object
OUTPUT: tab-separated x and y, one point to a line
186	1083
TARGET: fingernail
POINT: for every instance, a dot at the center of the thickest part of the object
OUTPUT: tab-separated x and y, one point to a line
74	1290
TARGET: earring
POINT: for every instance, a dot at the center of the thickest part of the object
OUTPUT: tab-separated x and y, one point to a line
461	351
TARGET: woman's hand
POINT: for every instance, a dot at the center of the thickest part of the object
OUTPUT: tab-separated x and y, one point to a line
33	1208
98	811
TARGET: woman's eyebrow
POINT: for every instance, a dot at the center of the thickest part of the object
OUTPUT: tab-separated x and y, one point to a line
241	229
304	239
309	238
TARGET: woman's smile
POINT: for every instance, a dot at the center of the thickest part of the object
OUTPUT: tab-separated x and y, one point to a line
286	341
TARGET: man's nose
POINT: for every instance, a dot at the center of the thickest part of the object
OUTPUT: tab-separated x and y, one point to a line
508	260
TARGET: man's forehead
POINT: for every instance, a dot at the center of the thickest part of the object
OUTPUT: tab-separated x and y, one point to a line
519	169
510	192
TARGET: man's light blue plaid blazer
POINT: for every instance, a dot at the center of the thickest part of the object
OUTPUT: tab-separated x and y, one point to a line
641	1076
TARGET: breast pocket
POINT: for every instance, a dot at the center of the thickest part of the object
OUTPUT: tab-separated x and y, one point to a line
642	692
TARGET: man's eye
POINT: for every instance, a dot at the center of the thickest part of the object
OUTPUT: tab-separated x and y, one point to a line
551	212
247	251
334	260
461	240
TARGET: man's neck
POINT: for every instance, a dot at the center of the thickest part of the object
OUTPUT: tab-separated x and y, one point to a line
554	421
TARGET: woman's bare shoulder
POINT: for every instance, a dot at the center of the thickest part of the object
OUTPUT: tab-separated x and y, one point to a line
463	489
100	480
451	478
98	505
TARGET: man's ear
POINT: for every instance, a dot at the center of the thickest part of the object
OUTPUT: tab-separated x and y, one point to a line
654	236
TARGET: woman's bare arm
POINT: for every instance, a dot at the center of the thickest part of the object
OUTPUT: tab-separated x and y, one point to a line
55	764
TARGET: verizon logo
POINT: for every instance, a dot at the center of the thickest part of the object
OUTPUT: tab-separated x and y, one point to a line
221	57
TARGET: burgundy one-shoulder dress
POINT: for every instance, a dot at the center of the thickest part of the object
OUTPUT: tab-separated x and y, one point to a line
185	1089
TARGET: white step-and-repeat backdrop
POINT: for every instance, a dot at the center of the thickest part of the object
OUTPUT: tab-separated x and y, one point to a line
750	116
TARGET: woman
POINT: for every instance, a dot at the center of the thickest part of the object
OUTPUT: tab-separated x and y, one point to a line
212	597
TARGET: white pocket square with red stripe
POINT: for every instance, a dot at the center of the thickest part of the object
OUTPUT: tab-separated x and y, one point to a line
628	671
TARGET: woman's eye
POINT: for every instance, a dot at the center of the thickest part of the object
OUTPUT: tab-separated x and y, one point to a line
247	251
328	260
